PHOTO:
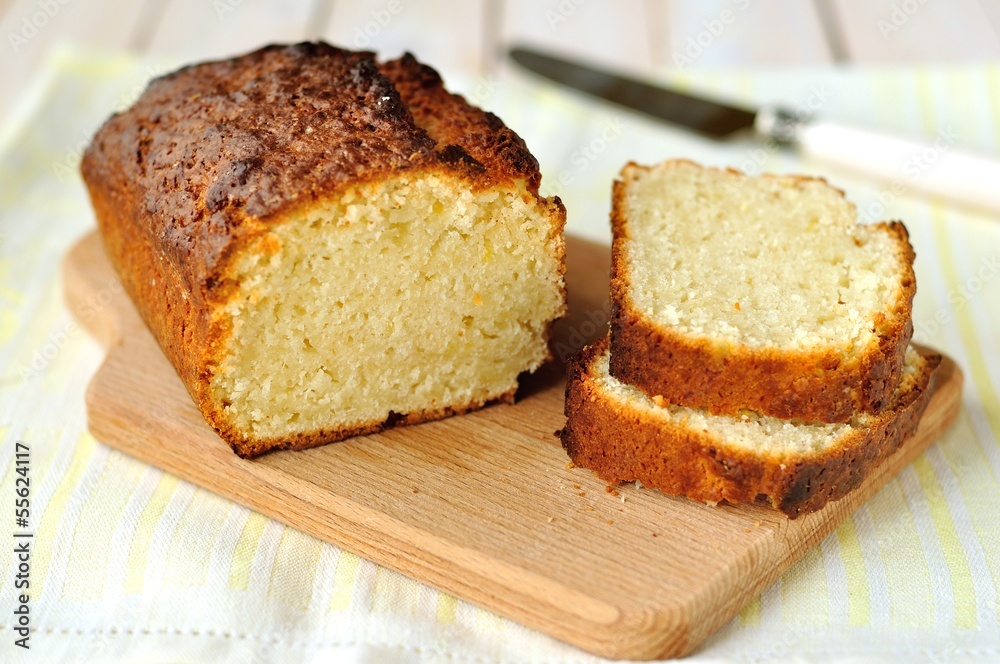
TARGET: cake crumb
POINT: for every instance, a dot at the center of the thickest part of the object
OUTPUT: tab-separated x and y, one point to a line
571	465
654	534
576	486
757	523
610	489
610	522
746	530
550	519
416	490
737	305
659	400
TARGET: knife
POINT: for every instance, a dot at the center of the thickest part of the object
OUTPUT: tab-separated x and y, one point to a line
935	168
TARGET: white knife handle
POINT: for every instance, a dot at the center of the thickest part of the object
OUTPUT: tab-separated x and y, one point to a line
933	167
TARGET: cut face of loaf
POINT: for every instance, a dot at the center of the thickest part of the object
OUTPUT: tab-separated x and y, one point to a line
622	435
325	246
732	292
414	297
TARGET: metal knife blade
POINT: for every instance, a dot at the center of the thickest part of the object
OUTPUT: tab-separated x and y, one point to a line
706	117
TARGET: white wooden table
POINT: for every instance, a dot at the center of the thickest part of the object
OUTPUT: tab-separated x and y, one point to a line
470	36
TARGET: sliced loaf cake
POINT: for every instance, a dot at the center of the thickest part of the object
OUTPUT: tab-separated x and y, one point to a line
623	435
732	292
325	245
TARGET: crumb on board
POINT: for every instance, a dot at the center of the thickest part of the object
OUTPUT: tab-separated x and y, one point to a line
571	465
610	489
654	534
746	530
610	522
550	519
757	523
576	486
416	490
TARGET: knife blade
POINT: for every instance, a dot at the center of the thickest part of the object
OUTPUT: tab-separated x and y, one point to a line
936	168
711	118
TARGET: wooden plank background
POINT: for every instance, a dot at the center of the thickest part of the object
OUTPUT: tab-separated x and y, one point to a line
469	37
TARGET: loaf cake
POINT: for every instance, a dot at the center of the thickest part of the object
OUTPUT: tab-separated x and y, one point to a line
732	292
325	245
621	434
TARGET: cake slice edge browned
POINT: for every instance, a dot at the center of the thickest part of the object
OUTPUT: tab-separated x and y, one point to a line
623	443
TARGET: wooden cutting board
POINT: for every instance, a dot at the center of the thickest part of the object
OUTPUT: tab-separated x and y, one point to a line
483	506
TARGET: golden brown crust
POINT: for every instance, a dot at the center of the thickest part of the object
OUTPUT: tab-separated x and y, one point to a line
213	154
463	133
692	371
622	443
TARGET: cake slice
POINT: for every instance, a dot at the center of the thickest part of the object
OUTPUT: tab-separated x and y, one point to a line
732	292
325	245
622	435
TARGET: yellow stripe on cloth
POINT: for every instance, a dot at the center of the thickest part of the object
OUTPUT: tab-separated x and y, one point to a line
804	596
447	607
966	462
976	371
858	601
985	389
907	573
45	538
90	551
993	93
393	593
294	568
246	548
954	548
148	521
344	580
954	554
198	526
750	615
